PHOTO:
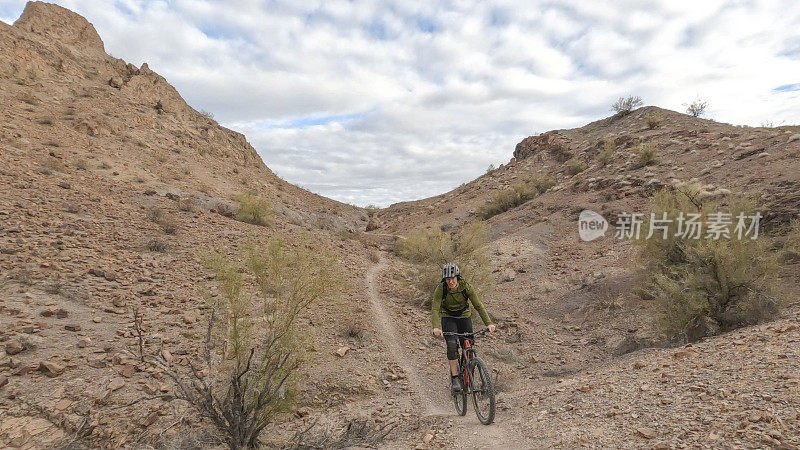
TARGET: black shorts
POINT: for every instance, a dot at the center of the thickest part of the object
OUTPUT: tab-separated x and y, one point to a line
456	325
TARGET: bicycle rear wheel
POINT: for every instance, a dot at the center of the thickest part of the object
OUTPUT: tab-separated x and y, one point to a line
482	391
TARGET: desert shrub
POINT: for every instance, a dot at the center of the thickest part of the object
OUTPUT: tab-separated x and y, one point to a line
50	166
429	249
646	154
605	155
575	165
518	194
374	257
491	168
187	204
162	219
156	245
372	209
624	106
46	122
793	237
80	163
252	349
697	108
704	286
653	120
356	434
254	209
207	114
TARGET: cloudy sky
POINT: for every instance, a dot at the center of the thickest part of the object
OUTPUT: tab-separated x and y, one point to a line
379	102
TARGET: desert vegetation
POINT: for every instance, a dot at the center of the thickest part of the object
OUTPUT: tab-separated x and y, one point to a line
697	108
254	209
251	356
624	105
518	194
430	248
702	286
575	165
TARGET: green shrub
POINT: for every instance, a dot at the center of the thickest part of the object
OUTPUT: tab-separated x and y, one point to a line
704	286
605	155
252	349
518	194
429	249
575	165
254	209
646	154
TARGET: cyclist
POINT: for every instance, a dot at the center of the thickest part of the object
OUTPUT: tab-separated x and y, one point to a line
451	300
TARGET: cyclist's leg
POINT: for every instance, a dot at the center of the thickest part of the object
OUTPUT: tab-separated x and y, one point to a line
464	325
449	324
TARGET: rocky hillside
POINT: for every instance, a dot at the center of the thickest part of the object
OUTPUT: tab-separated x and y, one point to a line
114	187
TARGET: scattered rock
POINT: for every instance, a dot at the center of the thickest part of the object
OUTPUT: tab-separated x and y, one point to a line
427	437
64	185
342	351
72	327
51	369
13	347
645	432
3	380
115	384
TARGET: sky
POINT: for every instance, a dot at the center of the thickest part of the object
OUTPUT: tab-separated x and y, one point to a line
375	102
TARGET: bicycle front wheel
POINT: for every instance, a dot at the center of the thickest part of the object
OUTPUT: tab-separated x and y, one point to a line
460	399
482	391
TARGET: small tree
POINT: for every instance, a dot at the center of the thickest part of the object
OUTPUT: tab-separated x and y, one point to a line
624	106
251	354
697	108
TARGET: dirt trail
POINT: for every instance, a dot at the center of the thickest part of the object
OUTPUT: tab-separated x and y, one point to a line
467	432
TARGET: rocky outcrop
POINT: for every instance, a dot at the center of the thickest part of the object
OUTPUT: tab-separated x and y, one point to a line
60	25
555	144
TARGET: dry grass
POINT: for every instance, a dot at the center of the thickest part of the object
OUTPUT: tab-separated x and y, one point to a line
164	220
575	165
607	153
646	154
518	194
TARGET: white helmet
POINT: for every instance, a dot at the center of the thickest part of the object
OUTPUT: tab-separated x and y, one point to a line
450	270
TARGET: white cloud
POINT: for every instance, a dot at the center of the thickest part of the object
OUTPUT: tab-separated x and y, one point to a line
377	102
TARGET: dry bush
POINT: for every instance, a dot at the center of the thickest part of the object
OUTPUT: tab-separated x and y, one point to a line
518	194
429	249
254	209
356	434
372	209
697	108
605	155
50	166
156	245
624	106
252	349
80	163
162	219
646	154
187	204
704	286
374	257
653	120
575	165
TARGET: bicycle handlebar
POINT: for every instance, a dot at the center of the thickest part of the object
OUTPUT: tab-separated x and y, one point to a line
479	332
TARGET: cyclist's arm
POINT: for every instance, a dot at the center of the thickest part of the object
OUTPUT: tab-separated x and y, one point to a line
476	303
436	305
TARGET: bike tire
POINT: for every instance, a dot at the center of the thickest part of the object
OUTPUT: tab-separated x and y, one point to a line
482	391
460	400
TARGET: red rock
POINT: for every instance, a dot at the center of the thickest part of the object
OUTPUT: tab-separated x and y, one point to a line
13	347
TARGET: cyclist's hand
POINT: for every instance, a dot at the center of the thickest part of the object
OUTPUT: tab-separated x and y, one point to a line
492	327
437	332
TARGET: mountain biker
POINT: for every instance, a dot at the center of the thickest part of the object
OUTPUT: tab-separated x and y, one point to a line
451	300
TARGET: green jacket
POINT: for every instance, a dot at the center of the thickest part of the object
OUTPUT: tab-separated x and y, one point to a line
455	301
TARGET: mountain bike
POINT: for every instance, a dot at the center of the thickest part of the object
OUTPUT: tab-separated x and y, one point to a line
475	379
